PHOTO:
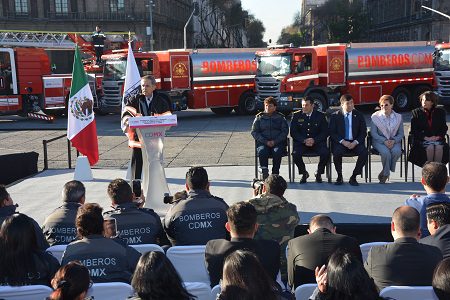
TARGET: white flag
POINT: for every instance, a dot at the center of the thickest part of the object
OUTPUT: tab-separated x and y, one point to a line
132	86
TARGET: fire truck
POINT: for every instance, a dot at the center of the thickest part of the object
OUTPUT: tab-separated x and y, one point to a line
442	72
219	79
29	86
366	71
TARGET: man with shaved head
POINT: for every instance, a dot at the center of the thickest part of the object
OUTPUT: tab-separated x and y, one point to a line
405	261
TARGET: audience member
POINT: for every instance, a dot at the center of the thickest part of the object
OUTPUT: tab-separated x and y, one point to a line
107	259
198	218
135	225
441	280
309	131
59	226
270	130
387	135
242	226
21	260
307	252
8	208
344	278
428	128
434	180
155	278
277	217
405	261
438	222
245	278
348	133
71	282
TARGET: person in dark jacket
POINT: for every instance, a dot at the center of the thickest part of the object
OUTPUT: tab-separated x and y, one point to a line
198	217
148	103
270	131
108	260
59	226
135	225
309	131
428	129
21	260
98	41
8	208
438	222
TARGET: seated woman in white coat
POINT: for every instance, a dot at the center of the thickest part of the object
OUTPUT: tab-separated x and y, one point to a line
387	134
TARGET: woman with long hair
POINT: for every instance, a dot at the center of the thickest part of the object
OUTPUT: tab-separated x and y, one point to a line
344	278
71	282
155	278
244	278
428	128
387	134
21	261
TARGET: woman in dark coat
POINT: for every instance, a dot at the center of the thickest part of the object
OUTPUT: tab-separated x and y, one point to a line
428	129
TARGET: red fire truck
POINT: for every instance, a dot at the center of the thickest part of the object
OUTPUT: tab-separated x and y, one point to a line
366	71
219	79
442	72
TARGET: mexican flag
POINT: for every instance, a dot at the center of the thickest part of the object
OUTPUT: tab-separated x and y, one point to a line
81	128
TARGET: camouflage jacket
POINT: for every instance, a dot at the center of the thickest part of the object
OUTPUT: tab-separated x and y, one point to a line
277	218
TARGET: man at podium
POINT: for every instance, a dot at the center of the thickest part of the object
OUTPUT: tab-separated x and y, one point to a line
148	103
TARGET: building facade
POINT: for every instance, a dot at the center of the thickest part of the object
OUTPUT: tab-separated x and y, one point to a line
168	18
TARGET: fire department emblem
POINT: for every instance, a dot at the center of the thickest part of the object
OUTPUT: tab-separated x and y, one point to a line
81	108
336	64
180	70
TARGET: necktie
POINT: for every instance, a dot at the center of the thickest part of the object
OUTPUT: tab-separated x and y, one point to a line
347	126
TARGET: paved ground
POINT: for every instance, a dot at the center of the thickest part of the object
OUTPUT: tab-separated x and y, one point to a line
201	138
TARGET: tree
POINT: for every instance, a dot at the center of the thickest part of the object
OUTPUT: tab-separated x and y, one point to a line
292	33
255	32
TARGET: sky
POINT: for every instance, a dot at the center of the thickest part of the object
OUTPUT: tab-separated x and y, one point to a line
275	14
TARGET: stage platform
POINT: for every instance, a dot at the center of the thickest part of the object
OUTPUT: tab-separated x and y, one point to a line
372	202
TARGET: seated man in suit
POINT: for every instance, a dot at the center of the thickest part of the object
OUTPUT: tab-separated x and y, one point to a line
405	261
438	222
434	180
309	130
348	132
242	227
270	131
307	252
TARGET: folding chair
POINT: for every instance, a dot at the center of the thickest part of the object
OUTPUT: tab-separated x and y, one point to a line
27	292
57	251
304	291
110	290
311	154
365	248
409	292
348	154
144	248
372	151
199	289
215	291
286	153
189	261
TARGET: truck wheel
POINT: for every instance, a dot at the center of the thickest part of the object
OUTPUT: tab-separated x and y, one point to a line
221	110
417	92
319	101
402	99
247	104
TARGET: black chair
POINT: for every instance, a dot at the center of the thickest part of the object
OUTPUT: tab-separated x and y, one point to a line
410	144
348	154
372	151
286	152
311	154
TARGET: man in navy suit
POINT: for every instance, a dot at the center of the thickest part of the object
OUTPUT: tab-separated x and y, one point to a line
348	132
309	130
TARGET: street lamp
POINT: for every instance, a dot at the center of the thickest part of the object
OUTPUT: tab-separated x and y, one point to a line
150	28
438	12
195	12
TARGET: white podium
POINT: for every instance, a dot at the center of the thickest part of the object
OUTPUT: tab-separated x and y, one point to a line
151	132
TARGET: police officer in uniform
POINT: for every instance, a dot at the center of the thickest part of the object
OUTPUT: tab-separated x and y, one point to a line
270	131
309	130
198	218
149	103
59	226
98	40
108	260
135	225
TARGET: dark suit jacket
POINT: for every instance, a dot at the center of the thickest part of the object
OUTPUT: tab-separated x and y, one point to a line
403	262
309	251
337	127
440	239
216	251
316	127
